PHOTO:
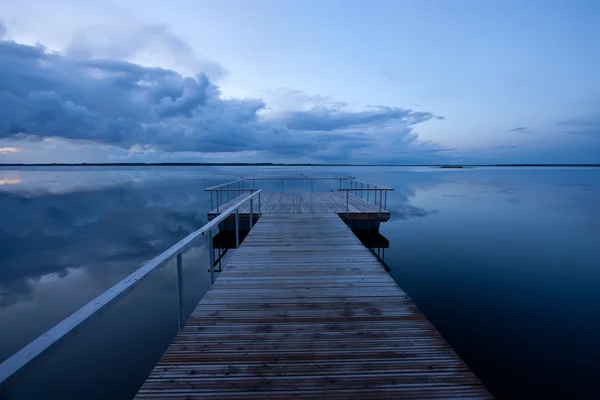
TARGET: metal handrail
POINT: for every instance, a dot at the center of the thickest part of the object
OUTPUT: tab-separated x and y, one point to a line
304	178
370	184
233	190
224	184
365	189
223	192
382	198
17	364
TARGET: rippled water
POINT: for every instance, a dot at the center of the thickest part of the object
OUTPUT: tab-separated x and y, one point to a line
504	261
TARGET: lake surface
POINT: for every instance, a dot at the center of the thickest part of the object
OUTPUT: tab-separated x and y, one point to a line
505	262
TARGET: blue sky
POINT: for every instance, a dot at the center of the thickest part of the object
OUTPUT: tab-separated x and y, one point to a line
301	81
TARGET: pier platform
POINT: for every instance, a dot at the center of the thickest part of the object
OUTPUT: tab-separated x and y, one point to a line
304	310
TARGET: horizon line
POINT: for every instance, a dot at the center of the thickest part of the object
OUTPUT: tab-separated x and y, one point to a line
299	164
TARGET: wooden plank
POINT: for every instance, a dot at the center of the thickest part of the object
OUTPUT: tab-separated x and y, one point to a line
303	310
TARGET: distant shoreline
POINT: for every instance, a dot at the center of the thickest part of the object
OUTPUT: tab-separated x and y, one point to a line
173	164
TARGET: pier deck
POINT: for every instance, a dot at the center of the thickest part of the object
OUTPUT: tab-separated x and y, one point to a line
304	310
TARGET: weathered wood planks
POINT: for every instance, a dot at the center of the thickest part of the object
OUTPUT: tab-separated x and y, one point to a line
303	310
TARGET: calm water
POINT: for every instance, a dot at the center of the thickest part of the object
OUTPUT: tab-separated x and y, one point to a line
504	262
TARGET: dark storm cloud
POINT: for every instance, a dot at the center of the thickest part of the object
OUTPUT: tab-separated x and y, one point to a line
44	94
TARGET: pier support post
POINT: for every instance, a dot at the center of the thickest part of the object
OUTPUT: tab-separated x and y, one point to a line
180	313
237	229
212	258
347	198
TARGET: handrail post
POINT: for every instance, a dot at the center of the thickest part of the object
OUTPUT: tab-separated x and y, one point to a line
347	196
211	200
361	191
385	200
212	258
282	186
253	183
180	313
380	195
237	229
218	202
251	212
368	191
340	183
259	214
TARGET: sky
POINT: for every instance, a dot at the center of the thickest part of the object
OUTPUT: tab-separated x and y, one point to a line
394	82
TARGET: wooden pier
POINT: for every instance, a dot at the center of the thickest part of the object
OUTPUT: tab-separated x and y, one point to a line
304	310
301	310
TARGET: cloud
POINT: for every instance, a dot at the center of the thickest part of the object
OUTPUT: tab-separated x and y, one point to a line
8	150
329	119
139	42
130	106
520	129
585	126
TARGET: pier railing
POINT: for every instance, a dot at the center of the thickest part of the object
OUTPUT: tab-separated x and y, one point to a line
372	193
16	365
224	193
300	178
363	190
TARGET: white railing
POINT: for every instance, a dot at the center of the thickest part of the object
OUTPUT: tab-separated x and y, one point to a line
372	193
16	365
222	194
301	178
363	190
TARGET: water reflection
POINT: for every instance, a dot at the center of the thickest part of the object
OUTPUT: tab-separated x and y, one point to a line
107	229
10	181
376	243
